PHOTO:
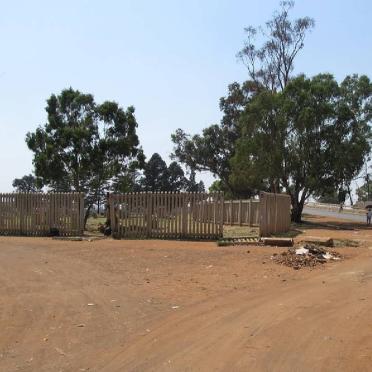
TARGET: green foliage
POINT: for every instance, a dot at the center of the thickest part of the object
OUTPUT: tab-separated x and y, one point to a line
332	197
192	186
212	150
176	177
269	68
84	145
362	192
297	139
27	183
155	175
218	186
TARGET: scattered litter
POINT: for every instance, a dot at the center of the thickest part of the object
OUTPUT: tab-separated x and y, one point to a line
59	351
323	241
81	325
91	304
302	250
175	307
328	256
308	255
208	267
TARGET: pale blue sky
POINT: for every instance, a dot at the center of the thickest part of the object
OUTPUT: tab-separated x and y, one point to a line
172	60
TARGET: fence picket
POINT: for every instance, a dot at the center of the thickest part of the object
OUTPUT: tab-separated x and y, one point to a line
34	214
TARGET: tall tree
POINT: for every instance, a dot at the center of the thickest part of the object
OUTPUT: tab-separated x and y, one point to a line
155	174
270	65
192	185
129	180
212	150
27	183
83	145
176	177
297	140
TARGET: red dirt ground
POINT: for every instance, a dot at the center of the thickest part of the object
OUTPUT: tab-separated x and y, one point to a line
183	306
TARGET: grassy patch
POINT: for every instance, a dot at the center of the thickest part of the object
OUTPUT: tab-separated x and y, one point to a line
289	234
224	243
240	231
345	243
93	223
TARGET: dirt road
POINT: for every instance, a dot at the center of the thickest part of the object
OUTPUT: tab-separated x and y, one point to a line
181	306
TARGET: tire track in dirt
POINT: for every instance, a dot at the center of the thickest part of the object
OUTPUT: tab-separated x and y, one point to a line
303	327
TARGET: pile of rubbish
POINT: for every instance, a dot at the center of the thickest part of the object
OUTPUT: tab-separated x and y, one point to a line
308	255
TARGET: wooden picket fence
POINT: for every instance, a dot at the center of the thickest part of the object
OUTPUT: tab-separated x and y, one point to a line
167	215
35	214
241	212
275	213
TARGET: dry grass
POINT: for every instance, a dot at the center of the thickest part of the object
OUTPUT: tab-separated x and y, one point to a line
93	223
240	231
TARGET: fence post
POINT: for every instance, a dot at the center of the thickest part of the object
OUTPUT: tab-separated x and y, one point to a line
222	209
52	211
263	214
82	214
250	214
111	204
240	212
148	215
19	201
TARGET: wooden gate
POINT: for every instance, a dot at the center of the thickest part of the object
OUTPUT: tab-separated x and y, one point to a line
275	213
166	215
34	214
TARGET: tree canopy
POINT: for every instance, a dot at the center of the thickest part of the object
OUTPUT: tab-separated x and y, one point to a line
304	136
157	176
83	145
27	183
311	137
269	65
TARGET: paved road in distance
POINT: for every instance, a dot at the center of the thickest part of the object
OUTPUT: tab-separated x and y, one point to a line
328	213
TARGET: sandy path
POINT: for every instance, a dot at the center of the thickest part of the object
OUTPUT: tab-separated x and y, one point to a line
321	324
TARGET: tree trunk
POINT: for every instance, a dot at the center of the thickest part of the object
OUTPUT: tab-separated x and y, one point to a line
297	208
350	196
87	215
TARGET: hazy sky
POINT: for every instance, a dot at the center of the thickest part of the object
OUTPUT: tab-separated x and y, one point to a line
171	59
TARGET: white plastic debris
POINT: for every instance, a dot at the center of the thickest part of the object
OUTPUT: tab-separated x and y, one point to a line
302	250
327	256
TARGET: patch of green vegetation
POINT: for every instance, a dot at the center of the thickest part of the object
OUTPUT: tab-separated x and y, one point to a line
224	243
93	223
345	243
240	231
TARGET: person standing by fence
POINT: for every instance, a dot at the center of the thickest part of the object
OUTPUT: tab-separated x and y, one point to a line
369	216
